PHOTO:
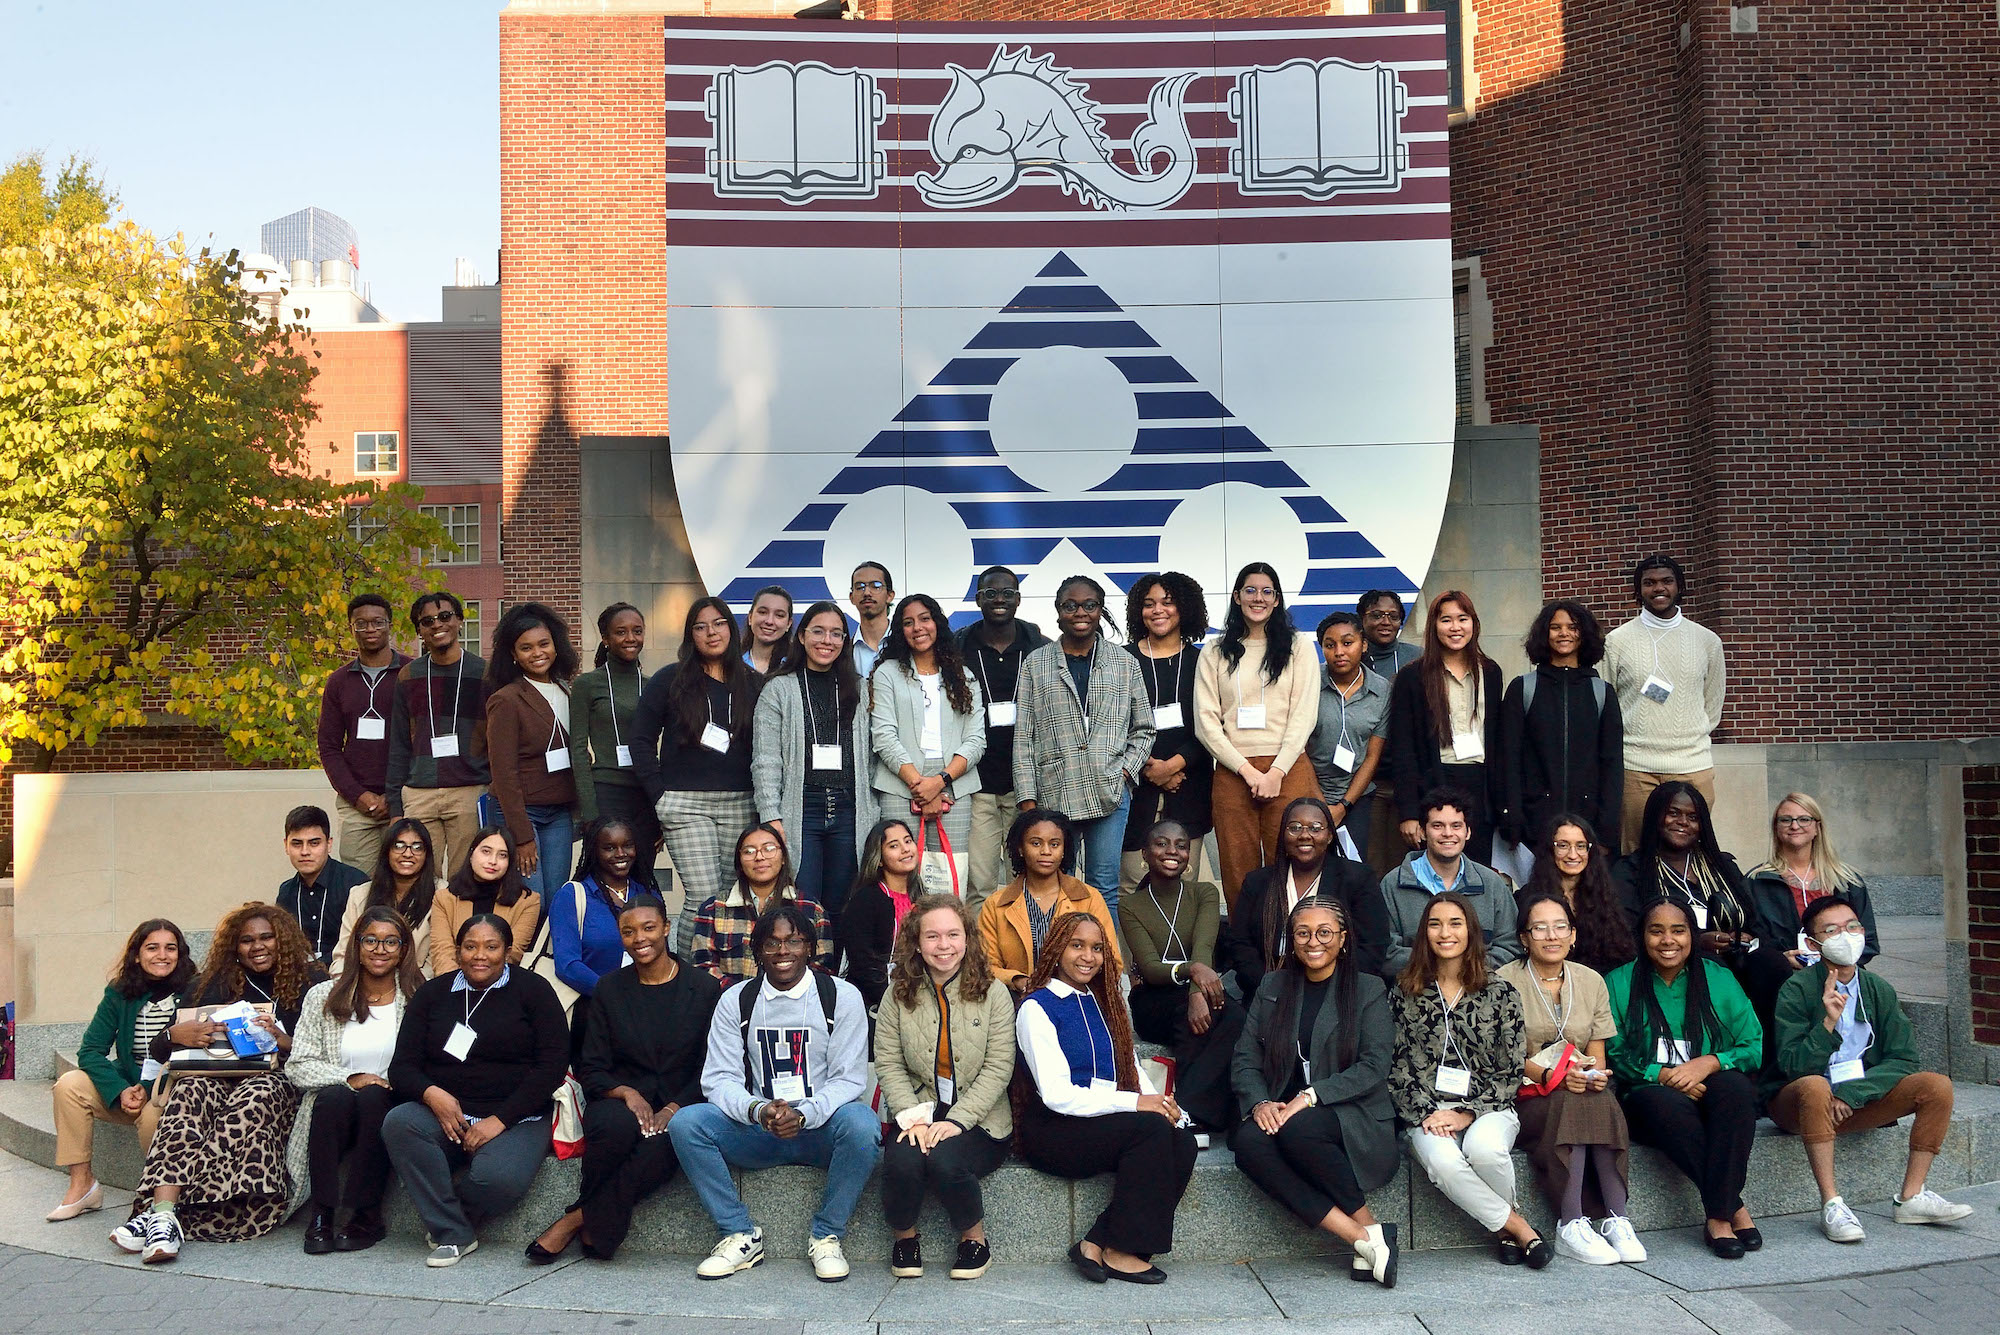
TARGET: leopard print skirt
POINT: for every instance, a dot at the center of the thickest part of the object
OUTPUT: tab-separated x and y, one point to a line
223	1141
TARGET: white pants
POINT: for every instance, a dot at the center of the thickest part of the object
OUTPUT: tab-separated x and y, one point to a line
1475	1168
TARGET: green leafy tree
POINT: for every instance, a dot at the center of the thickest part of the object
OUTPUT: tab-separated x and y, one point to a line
165	543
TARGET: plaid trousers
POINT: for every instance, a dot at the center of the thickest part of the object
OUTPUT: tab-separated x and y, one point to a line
701	829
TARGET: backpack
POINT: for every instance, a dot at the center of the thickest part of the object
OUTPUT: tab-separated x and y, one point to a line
746	1001
1599	688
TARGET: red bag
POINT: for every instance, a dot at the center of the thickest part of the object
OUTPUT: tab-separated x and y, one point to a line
1552	1081
936	882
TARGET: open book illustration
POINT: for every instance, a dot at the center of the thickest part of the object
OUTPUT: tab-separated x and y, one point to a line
795	132
1318	129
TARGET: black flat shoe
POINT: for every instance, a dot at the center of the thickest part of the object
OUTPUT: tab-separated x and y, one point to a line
1729	1249
319	1233
1152	1274
1389	1268
971	1260
1509	1251
540	1255
1752	1239
1089	1269
362	1231
1538	1254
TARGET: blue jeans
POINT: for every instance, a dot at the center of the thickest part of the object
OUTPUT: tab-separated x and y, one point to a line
554	843
708	1141
824	848
1103	847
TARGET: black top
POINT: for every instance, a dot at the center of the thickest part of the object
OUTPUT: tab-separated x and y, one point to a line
516	1062
1312	996
1079	672
319	908
1171	681
999	676
1566	755
825	728
868	934
666	764
1638	882
651	1038
1415	764
1352	883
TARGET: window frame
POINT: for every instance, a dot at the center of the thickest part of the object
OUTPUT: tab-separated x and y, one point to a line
375	453
436	556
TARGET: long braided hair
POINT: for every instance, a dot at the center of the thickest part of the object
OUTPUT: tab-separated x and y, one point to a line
1276	925
1110	1003
1279	1040
290	977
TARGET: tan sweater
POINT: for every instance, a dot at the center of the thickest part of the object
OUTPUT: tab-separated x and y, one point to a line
1291	705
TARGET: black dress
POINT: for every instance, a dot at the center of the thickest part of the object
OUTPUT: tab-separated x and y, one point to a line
1170	681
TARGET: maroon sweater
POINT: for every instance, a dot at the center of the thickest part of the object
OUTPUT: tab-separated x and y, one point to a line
353	765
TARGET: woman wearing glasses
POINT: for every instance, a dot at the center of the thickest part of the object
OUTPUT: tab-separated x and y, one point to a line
1802	869
1084	732
1306	866
407	879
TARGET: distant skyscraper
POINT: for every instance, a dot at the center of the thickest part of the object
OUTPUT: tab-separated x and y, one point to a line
312	234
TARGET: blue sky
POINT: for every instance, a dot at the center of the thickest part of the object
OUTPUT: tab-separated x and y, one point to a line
213	118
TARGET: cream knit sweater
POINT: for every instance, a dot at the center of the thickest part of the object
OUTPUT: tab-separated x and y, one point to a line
1669	737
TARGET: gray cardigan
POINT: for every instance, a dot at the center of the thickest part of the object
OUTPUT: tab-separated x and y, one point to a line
896	722
314	1064
1358	1095
778	759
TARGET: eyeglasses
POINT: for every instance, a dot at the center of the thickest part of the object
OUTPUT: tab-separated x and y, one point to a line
1550	931
761	850
860	585
369	623
436	619
825	635
704	627
1382	614
1835	933
405	846
1794	822
789	945
1266	592
1325	936
1070	606
1305	827
381	942
999	595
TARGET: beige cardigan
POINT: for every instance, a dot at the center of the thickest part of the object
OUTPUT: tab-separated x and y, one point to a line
448	911
357	899
982	1056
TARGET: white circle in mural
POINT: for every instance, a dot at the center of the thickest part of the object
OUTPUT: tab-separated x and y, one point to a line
1220	529
900	525
1064	419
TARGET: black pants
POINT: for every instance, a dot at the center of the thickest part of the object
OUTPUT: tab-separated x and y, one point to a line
1304	1167
1150	1158
347	1126
1201	1061
620	1169
952	1169
630	804
1708	1138
1479	841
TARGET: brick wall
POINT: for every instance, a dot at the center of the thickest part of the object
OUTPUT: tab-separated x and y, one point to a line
1982	910
363	384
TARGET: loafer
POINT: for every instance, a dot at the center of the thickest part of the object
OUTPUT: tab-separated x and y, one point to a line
1152	1274
363	1230
319	1233
1509	1251
1089	1269
1538	1254
1729	1249
1752	1239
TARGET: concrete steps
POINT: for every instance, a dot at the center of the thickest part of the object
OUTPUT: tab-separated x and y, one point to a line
1032	1217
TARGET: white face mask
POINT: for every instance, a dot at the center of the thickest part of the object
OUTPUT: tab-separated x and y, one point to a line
1844	950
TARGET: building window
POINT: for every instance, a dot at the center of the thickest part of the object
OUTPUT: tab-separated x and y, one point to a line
365	523
1461	25
375	451
461	525
1471	336
468	629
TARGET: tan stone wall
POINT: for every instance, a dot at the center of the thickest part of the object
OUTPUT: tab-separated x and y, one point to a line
98	853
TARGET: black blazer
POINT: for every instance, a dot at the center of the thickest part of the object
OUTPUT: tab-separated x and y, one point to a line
1413	747
867	934
1242	946
652	1039
1564	756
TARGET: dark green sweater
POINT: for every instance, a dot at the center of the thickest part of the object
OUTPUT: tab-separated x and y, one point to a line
107	1054
593	740
1805	1047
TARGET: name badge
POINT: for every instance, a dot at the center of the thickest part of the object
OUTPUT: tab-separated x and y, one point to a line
1657	689
1454	1080
557	760
1700	911
1100	1084
1468	746
1250	718
1671	1052
947	1090
790	1088
825	757
444	748
460	1043
1305	1070
1167	716
624	757
715	738
1343	758
1839	1073
370	729
1808	950
1000	714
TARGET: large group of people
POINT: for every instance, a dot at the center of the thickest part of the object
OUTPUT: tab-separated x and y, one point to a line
943	900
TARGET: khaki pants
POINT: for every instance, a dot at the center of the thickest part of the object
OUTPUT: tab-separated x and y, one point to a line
992	814
1805	1108
360	836
451	815
1247	831
1639	785
78	1104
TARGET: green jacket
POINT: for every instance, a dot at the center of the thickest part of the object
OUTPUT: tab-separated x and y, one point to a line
1632	1053
107	1055
1805	1047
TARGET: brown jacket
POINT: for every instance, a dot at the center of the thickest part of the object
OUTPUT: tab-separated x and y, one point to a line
1007	938
520	730
448	912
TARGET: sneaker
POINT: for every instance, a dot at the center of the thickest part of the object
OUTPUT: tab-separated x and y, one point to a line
1619	1233
971	1260
738	1251
829	1262
1927	1207
450	1253
130	1236
1840	1223
163	1238
1580	1242
906	1259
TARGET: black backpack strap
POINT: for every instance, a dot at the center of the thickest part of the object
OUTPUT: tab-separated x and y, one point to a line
746	1001
829	997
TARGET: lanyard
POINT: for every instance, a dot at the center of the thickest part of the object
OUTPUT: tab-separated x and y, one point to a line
806	697
1239	684
1450	1043
1173	933
319	917
728	710
1360	681
374	684
1291	885
430	695
249	982
979	653
1153	678
1568	999
471	1006
611	695
556	728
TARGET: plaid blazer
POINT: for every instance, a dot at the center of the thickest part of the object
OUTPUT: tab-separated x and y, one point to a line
1081	761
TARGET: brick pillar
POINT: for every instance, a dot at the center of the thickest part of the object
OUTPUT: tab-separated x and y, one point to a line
1982	898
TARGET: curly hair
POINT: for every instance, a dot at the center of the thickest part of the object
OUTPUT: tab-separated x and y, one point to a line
134	982
950	662
502	670
1590	635
291	976
1182	591
975	976
1422	970
1110	1003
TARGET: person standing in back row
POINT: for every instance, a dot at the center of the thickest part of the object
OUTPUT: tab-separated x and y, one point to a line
437	731
1561	734
1669	676
1381	613
603	709
993	648
354	730
871	590
1444	724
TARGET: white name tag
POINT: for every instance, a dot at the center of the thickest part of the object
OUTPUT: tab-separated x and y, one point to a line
1343	758
370	729
1839	1073
1167	716
715	738
1468	746
947	1089
1305	1070
1700	911
1101	1084
1000	714
460	1043
1250	718
444	748
790	1088
624	757
1671	1052
1808	950
825	757
1454	1080
557	760
1657	689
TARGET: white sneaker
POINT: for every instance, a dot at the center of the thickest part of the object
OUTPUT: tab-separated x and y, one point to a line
1579	1241
1840	1223
1617	1231
450	1253
163	1238
1927	1207
829	1262
130	1236
738	1251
